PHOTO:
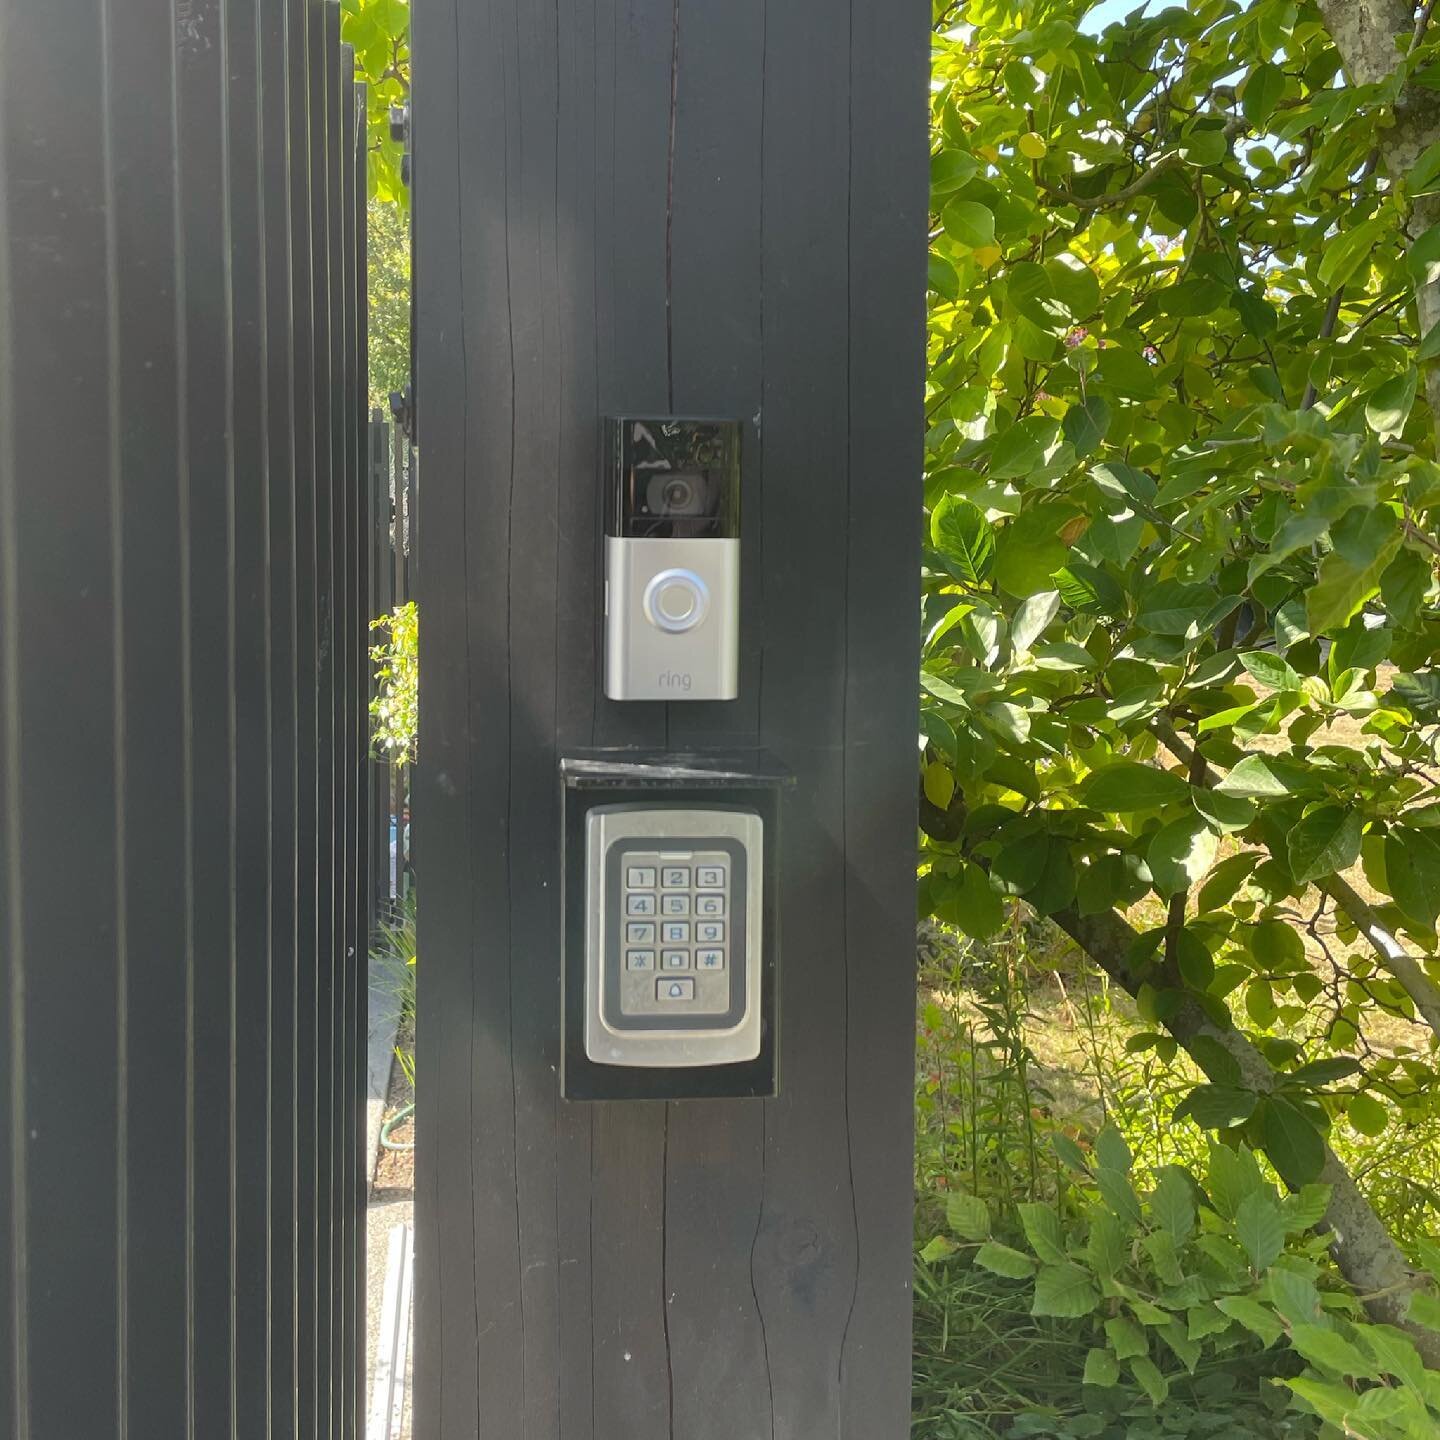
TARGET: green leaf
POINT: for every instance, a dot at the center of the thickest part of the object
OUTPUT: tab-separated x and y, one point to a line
1181	854
1127	786
1412	870
1388	408
1101	1368
967	1215
1256	313
1260	1229
969	222
1227	877
1404	583
1086	424
1151	1381
1269	669
1106	1245
1002	1260
1030	549
1365	542
1064	1291
1217	1107
939	784
1112	1151
1032	615
1258	779
1328	1350
1276	944
1042	1230
1127	374
975	906
1253	1316
960	531
1325	842
1173	1204
1306	1207
1366	1115
1261	93
1424	1309
1118	1194
1295	1147
1345	254
1173	608
1126	1338
937	1249
1225	812
1020	448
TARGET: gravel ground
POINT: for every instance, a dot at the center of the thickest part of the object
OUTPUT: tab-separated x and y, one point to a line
392	1203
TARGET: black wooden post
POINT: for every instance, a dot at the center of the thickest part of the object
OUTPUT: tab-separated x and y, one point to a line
179	1220
646	207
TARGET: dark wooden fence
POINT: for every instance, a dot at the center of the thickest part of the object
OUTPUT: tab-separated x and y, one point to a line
394	496
185	574
651	207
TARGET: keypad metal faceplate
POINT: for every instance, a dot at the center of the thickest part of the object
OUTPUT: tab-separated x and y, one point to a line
673	925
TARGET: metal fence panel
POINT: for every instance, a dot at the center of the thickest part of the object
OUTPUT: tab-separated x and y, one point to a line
184	836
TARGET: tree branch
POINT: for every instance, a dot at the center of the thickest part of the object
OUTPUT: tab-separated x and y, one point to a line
1394	959
1362	1247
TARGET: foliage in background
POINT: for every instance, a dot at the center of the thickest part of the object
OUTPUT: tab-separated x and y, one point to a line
379	32
1180	607
1029	1104
395	710
389	269
392	967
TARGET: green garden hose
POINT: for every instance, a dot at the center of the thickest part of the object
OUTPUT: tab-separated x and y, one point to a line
402	1114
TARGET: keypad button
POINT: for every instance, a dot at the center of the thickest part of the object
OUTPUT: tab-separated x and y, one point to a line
709	959
639	959
674	904
710	877
639	904
676	959
675	932
640	932
676	877
710	932
675	989
640	878
709	904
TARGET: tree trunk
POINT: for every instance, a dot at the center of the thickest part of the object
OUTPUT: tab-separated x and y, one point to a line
1368	35
1362	1247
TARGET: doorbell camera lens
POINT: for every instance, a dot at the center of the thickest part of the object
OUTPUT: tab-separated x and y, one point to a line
676	495
671	479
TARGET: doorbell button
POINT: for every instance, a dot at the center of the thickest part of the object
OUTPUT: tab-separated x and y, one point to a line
676	600
674	989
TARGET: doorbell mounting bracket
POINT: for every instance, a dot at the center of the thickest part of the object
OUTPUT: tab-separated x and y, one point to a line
672	558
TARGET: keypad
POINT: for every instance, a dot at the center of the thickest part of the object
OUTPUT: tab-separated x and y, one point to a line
675	922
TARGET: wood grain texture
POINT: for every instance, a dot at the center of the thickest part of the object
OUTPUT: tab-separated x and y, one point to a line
666	205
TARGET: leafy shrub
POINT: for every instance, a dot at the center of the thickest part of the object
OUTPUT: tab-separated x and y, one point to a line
395	710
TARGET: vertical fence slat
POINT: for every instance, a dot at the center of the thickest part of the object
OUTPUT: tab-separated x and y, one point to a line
365	820
324	709
305	100
275	108
60	695
208	383
251	722
348	603
141	94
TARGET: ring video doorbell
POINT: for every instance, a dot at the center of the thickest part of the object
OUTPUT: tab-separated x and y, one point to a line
672	558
